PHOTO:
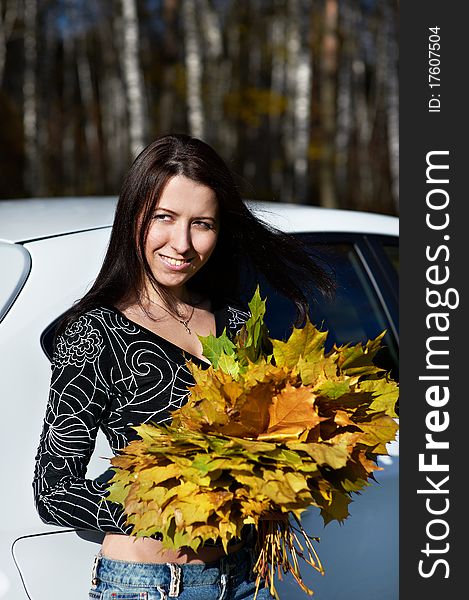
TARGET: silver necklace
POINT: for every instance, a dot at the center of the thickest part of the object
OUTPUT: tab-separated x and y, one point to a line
182	321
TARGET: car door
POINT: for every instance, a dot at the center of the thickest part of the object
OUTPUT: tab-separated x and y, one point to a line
360	556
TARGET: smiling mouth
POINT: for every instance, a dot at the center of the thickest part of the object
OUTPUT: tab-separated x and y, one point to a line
175	262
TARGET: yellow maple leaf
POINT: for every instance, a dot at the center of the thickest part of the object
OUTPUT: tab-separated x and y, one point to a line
291	413
379	430
306	342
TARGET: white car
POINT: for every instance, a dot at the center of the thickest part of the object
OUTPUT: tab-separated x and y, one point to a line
50	253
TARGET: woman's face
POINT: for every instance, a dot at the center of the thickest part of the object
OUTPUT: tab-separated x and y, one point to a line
183	232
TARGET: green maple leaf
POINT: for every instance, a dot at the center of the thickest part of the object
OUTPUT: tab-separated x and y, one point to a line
337	509
332	455
378	431
228	364
358	359
306	342
252	341
333	389
118	490
215	348
385	393
256	320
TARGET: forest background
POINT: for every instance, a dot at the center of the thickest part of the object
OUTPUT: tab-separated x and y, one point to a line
300	97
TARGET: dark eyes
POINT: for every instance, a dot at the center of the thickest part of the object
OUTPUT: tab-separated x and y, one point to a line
203	224
167	218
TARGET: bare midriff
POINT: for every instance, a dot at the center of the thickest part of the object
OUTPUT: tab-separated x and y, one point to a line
146	550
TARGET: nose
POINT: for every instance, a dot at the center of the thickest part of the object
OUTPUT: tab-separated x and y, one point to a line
181	239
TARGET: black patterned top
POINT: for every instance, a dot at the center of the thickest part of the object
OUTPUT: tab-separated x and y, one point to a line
110	373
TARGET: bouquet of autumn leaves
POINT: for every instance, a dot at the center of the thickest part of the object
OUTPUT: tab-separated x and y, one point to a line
270	429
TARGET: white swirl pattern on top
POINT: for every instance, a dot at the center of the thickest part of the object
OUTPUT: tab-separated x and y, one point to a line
82	344
236	318
107	373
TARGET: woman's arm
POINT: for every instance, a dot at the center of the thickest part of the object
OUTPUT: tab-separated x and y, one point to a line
79	398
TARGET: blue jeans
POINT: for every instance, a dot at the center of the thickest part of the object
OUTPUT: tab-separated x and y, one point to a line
229	578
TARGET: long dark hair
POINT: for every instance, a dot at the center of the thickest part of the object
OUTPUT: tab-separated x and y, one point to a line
243	239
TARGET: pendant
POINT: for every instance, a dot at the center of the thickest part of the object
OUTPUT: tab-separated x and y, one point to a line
185	323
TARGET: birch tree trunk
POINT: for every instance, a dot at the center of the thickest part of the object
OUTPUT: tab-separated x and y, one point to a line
344	107
328	196
88	100
193	62
30	98
363	195
292	63
114	117
278	85
299	84
69	154
304	80
133	76
230	133
392	98
49	128
167	118
365	191
216	71
8	15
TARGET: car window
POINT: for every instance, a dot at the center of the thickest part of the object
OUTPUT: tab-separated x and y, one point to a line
393	255
356	314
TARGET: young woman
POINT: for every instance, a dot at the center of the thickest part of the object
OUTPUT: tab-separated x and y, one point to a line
180	238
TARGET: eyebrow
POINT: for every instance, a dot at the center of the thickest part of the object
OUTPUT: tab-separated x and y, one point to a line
175	213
